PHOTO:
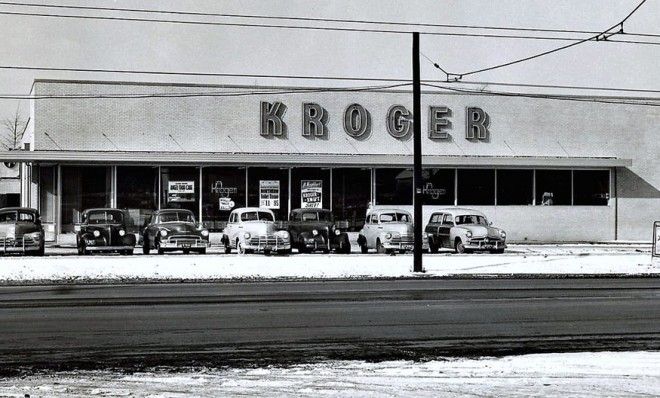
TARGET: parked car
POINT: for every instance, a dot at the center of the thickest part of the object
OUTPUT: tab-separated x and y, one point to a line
21	231
463	230
388	230
253	229
315	229
173	230
104	230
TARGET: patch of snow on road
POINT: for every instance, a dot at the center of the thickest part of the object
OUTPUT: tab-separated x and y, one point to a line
614	374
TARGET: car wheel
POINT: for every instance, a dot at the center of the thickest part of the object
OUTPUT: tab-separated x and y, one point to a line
129	252
364	249
301	245
186	251
497	251
227	246
379	247
82	249
402	252
459	247
201	251
145	246
240	247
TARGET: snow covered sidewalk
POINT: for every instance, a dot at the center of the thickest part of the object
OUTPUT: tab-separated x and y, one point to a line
521	259
612	374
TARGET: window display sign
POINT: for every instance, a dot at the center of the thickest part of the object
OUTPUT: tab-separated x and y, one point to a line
269	194
225	202
180	191
311	194
656	239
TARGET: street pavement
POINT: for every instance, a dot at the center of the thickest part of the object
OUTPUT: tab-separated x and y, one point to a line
62	326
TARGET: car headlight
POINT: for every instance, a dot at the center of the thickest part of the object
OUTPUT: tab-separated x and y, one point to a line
315	232
76	228
337	232
388	236
503	234
35	235
122	232
285	234
96	234
468	234
247	235
163	233
205	233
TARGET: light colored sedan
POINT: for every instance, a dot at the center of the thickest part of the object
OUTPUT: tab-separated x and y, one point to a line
252	229
463	230
388	230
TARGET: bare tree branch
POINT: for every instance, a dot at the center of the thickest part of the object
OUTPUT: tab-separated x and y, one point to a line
13	130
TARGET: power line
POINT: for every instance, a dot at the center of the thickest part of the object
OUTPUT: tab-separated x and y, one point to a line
306	19
317	28
549	96
602	36
312	77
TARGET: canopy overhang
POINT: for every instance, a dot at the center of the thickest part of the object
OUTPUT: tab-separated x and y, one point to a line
298	159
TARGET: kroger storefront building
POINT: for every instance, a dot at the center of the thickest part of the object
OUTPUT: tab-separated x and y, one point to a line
543	169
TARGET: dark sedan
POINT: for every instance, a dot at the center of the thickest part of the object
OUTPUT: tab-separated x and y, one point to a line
316	230
21	231
172	230
104	230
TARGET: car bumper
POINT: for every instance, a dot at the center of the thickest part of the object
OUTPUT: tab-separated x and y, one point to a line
184	246
403	245
108	248
20	246
483	245
267	243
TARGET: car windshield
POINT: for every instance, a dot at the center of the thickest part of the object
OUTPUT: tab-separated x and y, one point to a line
177	216
471	219
105	217
257	216
317	216
8	217
394	217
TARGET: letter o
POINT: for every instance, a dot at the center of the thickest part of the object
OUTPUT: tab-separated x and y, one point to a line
356	120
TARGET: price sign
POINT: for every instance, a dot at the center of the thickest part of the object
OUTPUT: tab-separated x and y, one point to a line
311	194
269	194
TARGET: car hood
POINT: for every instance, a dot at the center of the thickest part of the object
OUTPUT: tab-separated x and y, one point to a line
398	227
179	227
259	228
482	231
17	229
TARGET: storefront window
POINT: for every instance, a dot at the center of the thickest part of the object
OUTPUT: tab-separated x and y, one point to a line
180	189
47	194
394	187
515	187
310	187
351	193
591	187
553	187
269	187
223	189
137	192
83	187
438	186
476	187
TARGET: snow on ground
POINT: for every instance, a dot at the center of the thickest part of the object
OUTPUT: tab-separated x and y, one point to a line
612	374
519	259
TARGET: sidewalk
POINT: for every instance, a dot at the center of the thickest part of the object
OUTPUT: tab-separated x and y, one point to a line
555	260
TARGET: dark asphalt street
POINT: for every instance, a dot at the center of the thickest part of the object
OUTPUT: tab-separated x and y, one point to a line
218	323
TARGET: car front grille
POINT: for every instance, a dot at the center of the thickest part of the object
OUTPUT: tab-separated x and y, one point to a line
19	241
266	240
184	239
404	239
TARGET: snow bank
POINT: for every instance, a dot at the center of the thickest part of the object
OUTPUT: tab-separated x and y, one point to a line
520	260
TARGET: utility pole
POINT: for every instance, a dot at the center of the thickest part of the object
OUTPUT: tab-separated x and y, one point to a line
417	156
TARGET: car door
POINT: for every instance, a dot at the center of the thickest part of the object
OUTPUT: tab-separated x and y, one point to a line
230	229
294	226
444	230
374	229
432	227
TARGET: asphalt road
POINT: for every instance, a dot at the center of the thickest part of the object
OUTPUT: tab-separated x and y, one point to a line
223	323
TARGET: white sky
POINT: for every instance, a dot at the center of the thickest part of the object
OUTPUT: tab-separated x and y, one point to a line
56	42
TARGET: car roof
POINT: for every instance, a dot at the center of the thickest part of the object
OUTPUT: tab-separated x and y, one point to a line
103	209
300	210
26	209
172	211
459	211
246	209
390	211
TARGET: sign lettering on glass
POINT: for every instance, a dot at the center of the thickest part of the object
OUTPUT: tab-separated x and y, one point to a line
225	202
311	194
269	194
180	191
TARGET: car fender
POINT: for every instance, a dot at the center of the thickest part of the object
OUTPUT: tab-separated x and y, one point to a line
457	232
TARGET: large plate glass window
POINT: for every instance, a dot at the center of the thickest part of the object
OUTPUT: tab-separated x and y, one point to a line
269	187
394	187
591	187
351	193
515	187
180	189
83	187
553	187
223	189
137	192
438	186
476	187
310	187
